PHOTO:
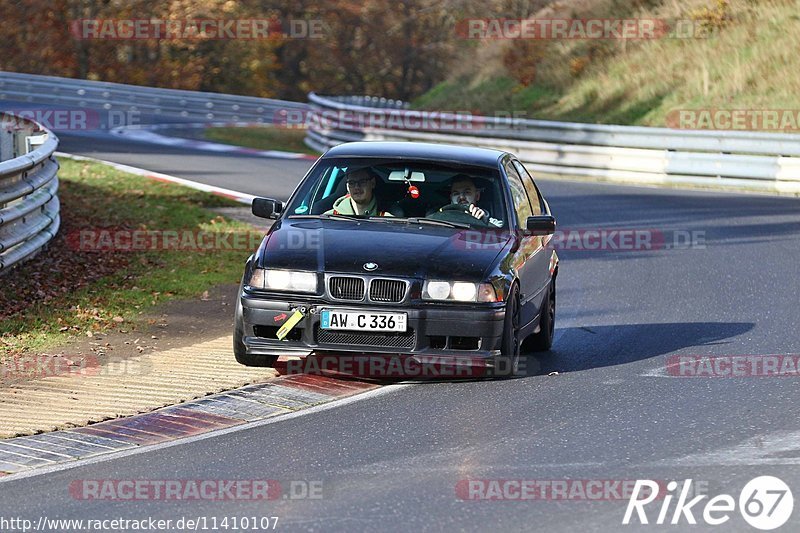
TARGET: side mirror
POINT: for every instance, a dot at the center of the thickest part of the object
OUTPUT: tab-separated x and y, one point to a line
267	207
541	225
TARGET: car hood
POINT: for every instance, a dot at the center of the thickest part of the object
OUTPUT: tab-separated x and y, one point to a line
399	249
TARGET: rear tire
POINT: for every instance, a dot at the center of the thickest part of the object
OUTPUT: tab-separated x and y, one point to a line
543	341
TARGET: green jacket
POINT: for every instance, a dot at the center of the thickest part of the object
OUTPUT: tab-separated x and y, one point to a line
344	206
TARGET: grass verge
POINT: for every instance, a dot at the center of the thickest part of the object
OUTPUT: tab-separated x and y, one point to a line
262	138
70	290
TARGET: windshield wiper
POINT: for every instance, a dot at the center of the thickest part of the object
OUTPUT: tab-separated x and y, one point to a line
436	221
333	216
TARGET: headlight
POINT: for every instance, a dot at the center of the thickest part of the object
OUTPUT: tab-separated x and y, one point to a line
438	290
283	280
275	279
464	292
459	291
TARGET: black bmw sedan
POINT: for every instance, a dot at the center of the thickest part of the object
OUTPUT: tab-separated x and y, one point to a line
412	250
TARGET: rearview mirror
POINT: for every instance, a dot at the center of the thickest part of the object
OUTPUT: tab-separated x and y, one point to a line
541	225
403	175
267	207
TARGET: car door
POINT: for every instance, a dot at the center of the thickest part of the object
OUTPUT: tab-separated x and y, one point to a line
524	261
543	252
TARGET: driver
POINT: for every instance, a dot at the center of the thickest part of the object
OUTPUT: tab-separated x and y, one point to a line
464	193
359	199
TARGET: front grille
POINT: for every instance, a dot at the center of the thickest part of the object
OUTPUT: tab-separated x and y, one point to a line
361	338
387	290
346	288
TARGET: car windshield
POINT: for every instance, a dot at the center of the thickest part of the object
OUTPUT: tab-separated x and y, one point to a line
419	191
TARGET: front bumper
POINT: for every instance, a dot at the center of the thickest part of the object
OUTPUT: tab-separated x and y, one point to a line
470	331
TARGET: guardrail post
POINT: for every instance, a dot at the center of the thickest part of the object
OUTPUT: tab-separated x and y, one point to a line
21	134
32	142
6	144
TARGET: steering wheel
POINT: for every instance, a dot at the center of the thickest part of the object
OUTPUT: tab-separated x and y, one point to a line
460	213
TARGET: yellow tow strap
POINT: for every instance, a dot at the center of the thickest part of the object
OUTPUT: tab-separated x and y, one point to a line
287	326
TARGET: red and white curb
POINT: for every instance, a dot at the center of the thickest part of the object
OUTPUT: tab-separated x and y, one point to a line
250	405
147	133
158	176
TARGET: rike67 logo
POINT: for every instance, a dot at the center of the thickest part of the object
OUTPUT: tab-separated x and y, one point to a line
765	502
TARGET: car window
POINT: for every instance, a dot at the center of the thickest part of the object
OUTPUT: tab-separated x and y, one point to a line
331	185
328	183
522	205
533	192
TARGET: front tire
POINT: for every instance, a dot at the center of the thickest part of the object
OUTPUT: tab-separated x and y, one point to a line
240	351
510	347
543	341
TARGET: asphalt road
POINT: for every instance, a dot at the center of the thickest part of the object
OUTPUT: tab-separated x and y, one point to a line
393	461
248	174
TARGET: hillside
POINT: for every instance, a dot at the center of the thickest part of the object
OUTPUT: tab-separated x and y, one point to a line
743	54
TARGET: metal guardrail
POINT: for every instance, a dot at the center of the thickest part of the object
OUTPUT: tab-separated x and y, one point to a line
29	207
739	159
108	96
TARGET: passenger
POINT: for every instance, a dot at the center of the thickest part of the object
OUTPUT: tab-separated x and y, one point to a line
360	198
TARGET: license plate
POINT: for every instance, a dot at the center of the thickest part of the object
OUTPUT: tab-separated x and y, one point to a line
362	321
